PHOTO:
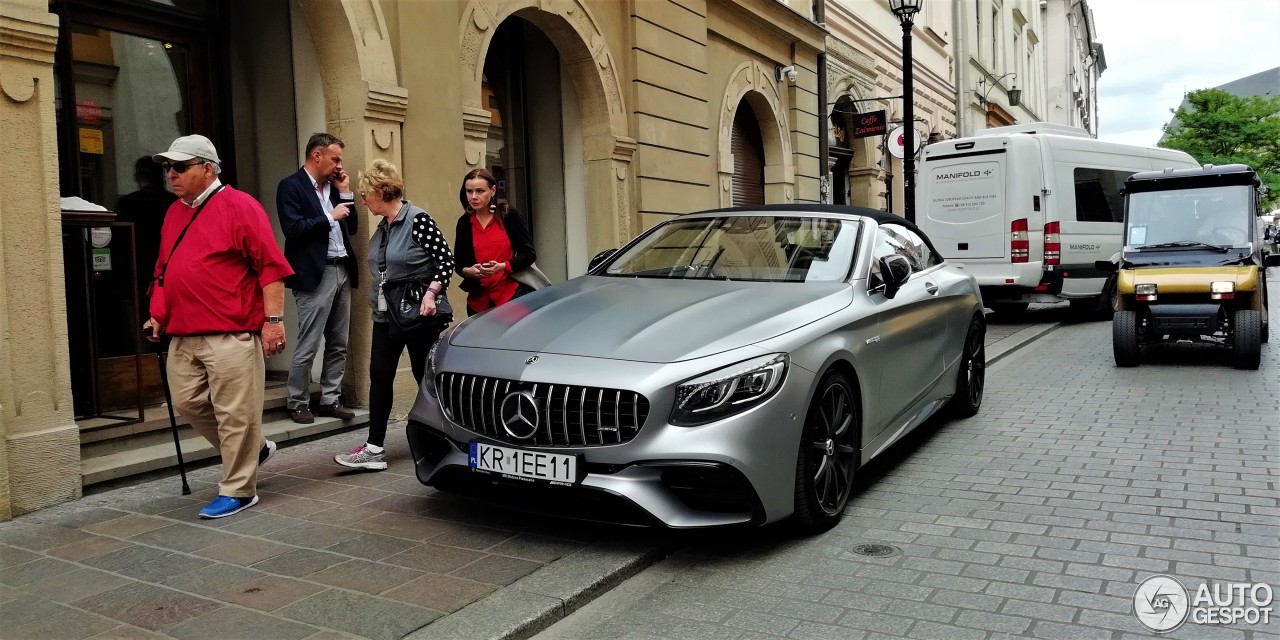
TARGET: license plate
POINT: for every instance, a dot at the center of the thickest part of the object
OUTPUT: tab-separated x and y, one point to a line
520	464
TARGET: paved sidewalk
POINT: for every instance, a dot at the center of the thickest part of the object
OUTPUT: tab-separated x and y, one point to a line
328	554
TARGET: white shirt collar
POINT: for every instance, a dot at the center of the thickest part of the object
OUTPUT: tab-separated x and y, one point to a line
204	196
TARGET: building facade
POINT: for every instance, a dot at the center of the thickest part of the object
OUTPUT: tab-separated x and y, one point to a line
600	118
1027	61
864	75
1002	65
1074	61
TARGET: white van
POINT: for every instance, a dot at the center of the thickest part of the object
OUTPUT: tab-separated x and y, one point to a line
1028	209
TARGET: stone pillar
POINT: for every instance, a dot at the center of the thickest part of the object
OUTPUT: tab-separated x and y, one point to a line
40	456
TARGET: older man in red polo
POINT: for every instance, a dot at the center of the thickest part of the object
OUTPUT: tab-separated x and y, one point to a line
219	292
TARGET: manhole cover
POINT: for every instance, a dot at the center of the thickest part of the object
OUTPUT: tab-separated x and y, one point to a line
876	550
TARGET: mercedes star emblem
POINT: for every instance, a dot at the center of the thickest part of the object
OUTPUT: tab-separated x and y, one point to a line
519	414
531	359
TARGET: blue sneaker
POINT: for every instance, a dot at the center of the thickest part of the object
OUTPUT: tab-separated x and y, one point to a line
224	506
268	450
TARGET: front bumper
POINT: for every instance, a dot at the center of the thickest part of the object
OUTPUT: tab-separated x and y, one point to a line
739	470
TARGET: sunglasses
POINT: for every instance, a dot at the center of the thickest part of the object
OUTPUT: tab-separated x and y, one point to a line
179	167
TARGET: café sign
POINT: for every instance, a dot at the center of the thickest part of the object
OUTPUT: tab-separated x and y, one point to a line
869	124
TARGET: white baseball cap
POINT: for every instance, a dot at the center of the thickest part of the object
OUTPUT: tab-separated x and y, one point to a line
188	147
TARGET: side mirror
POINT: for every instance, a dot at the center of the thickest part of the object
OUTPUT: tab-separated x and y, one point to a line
895	270
599	259
1106	266
1272	260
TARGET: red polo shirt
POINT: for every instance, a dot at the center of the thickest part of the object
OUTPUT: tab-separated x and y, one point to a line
215	278
492	243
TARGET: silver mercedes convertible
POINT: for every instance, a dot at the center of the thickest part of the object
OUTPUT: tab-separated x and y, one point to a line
726	367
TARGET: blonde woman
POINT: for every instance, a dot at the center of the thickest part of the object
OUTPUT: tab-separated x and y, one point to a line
407	246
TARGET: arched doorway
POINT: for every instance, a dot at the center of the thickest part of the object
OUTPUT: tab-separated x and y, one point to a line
534	142
572	134
748	158
751	103
840	148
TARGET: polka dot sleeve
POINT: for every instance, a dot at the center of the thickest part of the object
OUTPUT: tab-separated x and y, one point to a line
427	235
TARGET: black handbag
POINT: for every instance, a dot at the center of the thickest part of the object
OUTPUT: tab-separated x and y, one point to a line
404	306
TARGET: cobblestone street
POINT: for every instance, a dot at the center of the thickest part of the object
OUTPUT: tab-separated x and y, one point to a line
1037	518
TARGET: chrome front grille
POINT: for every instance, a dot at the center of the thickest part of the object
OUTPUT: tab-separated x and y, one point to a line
568	415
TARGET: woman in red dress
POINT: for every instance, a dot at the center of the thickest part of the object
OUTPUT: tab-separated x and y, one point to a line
491	242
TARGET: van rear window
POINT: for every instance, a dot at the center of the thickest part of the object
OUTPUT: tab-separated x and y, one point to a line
1098	195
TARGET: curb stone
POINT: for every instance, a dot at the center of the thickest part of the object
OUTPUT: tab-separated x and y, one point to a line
543	597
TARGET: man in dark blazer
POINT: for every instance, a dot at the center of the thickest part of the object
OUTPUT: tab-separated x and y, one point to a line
318	215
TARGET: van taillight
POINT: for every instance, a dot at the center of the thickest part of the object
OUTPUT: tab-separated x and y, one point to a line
1052	246
1019	247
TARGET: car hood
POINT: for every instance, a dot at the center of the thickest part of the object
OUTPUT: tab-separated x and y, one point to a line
650	320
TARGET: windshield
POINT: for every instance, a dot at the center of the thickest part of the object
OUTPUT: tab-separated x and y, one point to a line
1218	216
759	248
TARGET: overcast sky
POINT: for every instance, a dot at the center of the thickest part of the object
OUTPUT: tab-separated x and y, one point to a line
1157	50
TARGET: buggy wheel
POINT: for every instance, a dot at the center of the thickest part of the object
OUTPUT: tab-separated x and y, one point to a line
1124	338
1246	339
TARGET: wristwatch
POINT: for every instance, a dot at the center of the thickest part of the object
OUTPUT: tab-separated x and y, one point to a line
275	319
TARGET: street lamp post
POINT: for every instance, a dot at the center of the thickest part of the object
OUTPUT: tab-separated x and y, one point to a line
906	10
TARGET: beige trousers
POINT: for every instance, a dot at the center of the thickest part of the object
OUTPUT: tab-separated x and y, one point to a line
217	383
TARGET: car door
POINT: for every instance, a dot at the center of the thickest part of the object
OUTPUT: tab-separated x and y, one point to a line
912	326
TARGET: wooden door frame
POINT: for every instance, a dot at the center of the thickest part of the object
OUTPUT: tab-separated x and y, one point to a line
208	92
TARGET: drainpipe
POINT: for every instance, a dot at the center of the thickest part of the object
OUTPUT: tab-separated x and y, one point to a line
824	120
962	109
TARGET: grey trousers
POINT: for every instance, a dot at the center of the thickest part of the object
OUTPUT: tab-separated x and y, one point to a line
323	315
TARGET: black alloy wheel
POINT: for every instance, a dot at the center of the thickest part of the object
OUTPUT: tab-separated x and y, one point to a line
828	455
971	377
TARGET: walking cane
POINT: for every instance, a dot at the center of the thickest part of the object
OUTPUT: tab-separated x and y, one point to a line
173	419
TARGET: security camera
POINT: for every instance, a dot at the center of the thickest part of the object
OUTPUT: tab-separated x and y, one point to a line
788	72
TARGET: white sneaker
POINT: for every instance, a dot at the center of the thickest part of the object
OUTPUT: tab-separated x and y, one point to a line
362	458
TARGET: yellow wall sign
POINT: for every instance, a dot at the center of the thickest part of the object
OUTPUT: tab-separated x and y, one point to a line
90	141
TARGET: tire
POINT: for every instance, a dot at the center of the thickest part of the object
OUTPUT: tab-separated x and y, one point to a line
828	455
971	373
1109	301
1009	309
1124	339
1266	308
1246	342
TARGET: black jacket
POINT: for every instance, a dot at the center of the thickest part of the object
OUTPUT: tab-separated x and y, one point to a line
306	232
464	248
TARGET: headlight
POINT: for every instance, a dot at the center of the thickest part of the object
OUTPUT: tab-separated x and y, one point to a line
727	391
1144	289
1222	290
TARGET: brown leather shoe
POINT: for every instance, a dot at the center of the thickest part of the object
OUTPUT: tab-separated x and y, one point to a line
336	410
302	415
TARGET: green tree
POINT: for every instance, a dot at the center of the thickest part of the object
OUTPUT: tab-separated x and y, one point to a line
1221	128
